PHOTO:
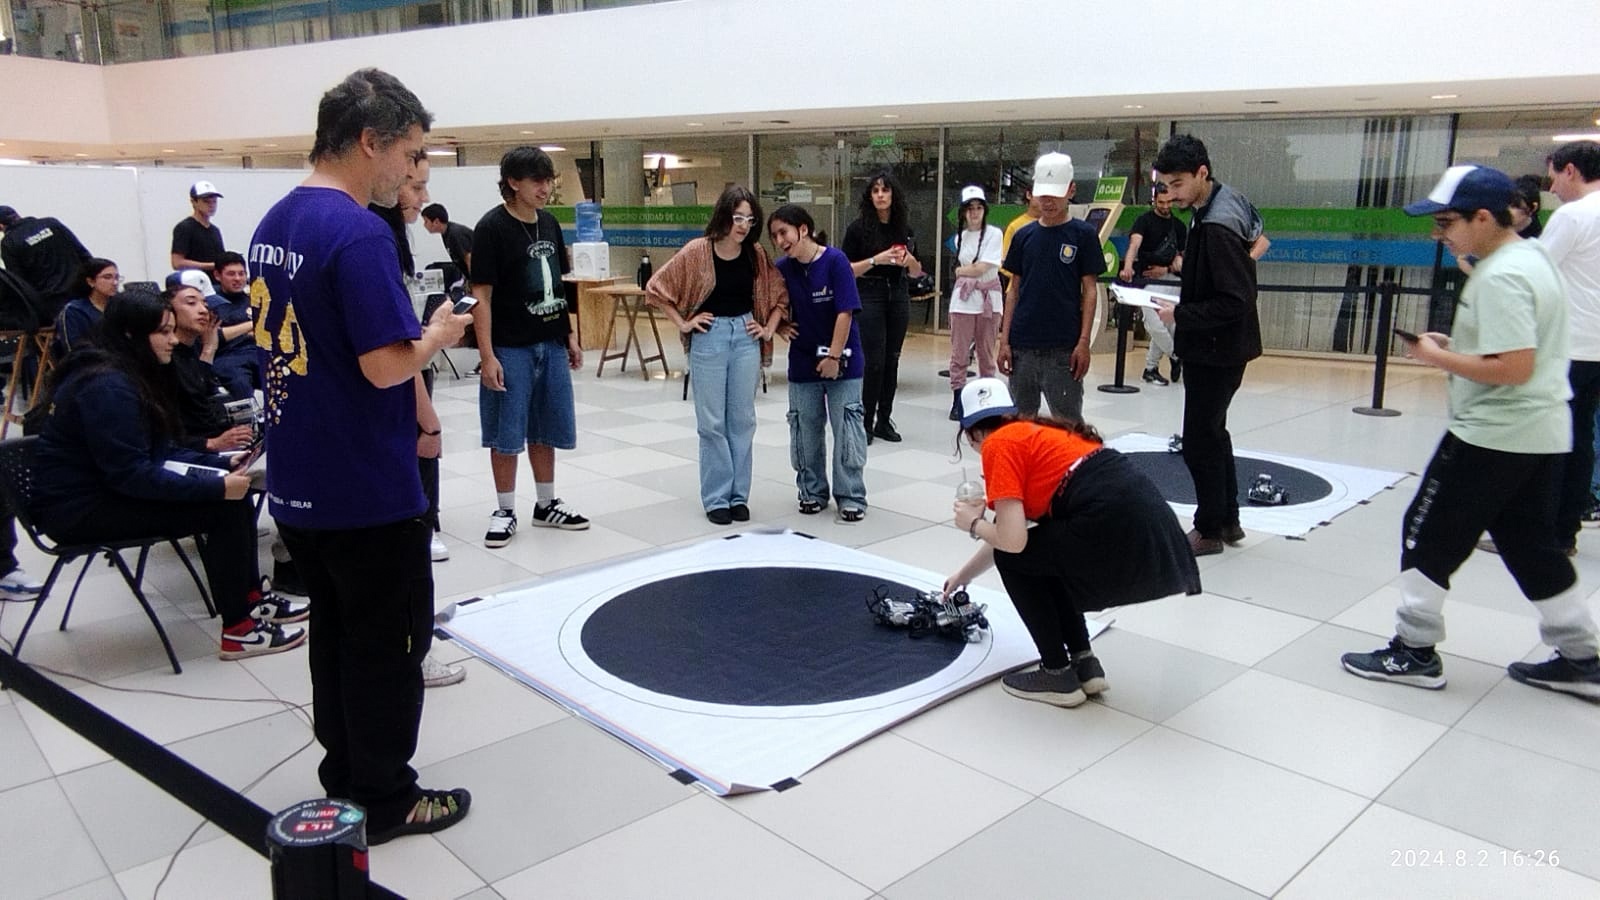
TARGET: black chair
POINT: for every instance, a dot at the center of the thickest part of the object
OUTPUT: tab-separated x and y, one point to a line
16	492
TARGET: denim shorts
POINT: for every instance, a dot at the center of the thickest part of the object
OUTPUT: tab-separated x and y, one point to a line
536	406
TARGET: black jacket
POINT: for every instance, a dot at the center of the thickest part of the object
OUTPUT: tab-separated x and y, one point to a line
1216	320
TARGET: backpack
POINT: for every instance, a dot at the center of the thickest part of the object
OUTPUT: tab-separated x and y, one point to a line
21	307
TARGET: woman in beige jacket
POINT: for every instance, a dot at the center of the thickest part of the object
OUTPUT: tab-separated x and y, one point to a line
726	299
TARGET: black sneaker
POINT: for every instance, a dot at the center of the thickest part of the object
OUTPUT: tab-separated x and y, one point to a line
720	516
955	408
1569	676
269	607
1055	688
1091	675
740	512
1153	376
1399	664
556	514
502	525
885	429
1177	370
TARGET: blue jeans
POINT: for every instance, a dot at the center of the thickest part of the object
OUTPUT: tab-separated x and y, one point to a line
813	406
537	405
724	368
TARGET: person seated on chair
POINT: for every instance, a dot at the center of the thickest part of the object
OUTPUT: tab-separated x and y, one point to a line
76	322
235	362
198	394
104	471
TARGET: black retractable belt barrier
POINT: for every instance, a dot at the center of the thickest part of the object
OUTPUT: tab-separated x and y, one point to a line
241	818
318	849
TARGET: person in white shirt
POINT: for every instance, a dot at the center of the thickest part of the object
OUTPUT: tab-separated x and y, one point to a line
976	299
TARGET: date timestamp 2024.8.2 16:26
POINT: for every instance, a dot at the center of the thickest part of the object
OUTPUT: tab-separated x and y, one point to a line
1473	859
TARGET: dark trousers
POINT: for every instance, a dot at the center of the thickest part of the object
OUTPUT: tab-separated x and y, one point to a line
8	542
1034	583
885	314
1207	446
1578	469
1467	490
228	552
429	468
371	595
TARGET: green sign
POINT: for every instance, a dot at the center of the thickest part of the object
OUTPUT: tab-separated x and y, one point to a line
639	215
1109	190
881	139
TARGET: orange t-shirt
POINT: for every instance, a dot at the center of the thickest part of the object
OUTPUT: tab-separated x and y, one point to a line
1025	461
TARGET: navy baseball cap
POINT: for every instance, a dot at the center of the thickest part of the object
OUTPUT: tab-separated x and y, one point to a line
1465	189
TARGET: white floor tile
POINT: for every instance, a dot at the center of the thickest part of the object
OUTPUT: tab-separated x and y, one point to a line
870	812
201	871
1346	743
667	857
43	846
1542	721
1205	805
1513	797
1233	630
1390	853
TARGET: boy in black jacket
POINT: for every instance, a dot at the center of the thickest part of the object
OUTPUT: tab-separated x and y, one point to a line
1215	330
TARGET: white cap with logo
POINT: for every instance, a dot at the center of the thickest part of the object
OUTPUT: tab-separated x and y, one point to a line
203	189
1052	175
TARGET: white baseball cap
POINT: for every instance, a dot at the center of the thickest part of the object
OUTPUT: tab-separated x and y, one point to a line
1052	175
985	397
203	189
972	192
194	278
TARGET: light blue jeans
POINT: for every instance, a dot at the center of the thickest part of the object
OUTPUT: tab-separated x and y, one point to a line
724	368
814	406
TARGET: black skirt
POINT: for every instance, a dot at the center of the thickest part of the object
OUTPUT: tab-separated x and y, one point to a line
1110	538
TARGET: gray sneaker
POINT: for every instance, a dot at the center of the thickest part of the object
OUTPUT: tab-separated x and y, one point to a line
1057	688
1091	675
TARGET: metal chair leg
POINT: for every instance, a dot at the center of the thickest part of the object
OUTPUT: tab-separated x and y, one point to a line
138	593
44	594
211	610
87	561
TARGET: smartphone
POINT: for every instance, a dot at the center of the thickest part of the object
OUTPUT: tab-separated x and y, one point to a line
1405	335
464	305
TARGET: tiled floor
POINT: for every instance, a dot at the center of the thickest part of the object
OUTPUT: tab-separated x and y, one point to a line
1231	758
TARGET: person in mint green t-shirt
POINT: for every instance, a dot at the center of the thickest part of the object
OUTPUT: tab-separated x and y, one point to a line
1500	462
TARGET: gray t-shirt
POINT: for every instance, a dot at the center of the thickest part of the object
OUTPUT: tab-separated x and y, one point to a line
1514	301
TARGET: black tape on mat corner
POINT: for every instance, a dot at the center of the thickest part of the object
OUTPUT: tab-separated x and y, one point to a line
219	804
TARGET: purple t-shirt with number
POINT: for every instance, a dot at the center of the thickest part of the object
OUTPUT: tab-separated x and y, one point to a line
818	292
342	452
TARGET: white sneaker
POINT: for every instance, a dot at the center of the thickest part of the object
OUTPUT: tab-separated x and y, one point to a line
19	585
437	550
437	674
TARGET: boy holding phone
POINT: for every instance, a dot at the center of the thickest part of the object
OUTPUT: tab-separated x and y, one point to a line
1498	465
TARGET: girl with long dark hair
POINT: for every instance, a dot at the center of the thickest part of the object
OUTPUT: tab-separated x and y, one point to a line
883	257
76	321
102	472
726	300
825	366
1101	536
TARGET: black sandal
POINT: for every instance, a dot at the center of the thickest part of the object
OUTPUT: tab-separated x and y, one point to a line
812	507
433	811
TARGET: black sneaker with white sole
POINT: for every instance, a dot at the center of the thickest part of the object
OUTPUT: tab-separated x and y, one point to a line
555	514
502	525
1580	677
269	607
1152	375
1057	688
1400	664
1091	675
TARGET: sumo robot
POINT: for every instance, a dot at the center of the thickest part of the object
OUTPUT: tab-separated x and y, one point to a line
1265	493
1175	444
931	612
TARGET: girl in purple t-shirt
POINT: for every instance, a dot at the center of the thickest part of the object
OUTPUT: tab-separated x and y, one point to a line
825	365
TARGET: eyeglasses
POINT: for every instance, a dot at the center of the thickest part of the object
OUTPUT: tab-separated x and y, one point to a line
743	220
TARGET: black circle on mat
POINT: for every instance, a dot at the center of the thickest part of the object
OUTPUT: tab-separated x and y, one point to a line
1172	477
769	636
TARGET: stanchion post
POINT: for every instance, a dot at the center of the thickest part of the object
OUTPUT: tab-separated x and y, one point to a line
1124	323
1380	371
318	848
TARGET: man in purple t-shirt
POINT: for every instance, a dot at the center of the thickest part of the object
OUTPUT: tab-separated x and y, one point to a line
339	346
